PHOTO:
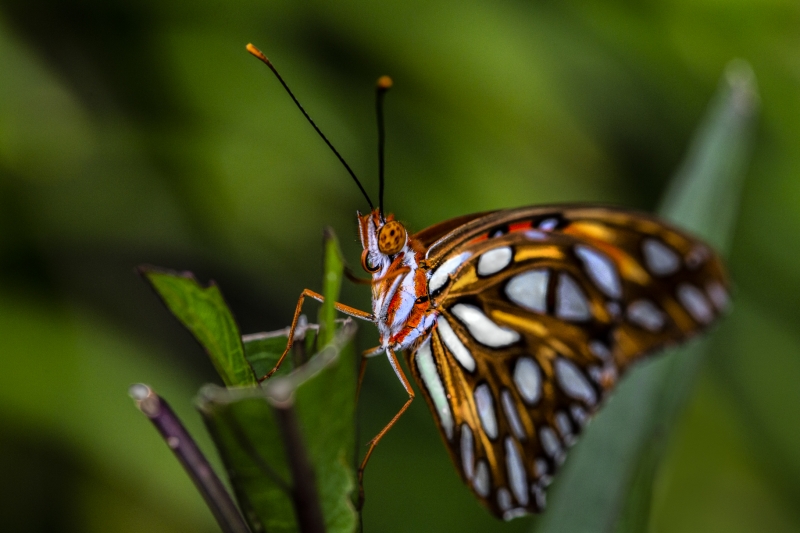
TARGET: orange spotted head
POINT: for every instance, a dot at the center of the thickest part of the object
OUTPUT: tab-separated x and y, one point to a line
381	239
391	237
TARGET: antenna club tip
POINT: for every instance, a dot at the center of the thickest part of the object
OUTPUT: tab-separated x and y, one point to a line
385	83
256	52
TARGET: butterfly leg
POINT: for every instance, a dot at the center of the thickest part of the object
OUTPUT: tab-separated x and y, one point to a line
374	442
346	309
366	355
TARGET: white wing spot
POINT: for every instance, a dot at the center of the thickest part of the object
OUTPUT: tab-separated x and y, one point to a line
565	428
516	472
512	415
539	496
503	499
454	344
571	302
644	313
494	260
660	259
718	295
535	235
481	480
528	379
596	374
485	404
573	382
601	270
433	382
578	414
467	451
600	350
441	275
695	302
529	290
482	328
540	468
548	224
511	514
550	444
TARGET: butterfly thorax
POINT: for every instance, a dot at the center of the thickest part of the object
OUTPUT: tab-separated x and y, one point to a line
400	302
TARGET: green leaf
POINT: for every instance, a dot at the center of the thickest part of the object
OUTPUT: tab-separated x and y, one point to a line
262	350
245	427
331	284
607	482
249	425
206	315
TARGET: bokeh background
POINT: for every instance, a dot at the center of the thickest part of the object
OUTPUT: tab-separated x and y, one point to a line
141	131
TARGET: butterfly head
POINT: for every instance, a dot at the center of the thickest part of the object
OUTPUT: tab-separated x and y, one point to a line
382	239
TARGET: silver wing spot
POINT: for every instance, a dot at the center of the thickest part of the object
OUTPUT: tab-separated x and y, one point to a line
454	344
645	314
516	472
485	404
512	415
441	275
601	270
695	302
482	328
528	379
718	295
529	290
571	302
494	260
660	259
481	480
467	451
433	382
573	382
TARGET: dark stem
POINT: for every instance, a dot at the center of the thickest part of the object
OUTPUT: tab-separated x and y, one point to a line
304	489
190	456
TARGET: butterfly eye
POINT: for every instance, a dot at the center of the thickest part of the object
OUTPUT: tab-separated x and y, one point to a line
391	238
367	264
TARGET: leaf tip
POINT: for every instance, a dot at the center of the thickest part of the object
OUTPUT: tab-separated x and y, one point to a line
741	81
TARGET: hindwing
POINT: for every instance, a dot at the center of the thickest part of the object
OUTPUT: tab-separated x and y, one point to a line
540	311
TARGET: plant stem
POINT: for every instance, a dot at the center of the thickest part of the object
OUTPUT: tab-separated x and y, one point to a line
190	456
304	487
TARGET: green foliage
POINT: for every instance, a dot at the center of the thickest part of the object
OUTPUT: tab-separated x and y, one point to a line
202	310
175	147
263	350
611	473
244	427
331	284
250	432
254	426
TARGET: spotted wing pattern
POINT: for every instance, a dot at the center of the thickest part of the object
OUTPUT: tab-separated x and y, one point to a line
541	310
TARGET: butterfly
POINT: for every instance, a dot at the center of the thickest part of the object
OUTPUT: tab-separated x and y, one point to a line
517	324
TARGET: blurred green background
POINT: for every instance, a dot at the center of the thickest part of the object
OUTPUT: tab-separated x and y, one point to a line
142	132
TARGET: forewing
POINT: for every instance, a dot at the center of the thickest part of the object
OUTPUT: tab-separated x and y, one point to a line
537	321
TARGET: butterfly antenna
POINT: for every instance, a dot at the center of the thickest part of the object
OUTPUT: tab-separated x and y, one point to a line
260	55
383	85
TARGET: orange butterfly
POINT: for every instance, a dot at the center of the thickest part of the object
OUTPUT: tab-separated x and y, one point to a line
516	324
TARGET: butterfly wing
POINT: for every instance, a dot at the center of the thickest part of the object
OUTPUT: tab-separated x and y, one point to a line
544	309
